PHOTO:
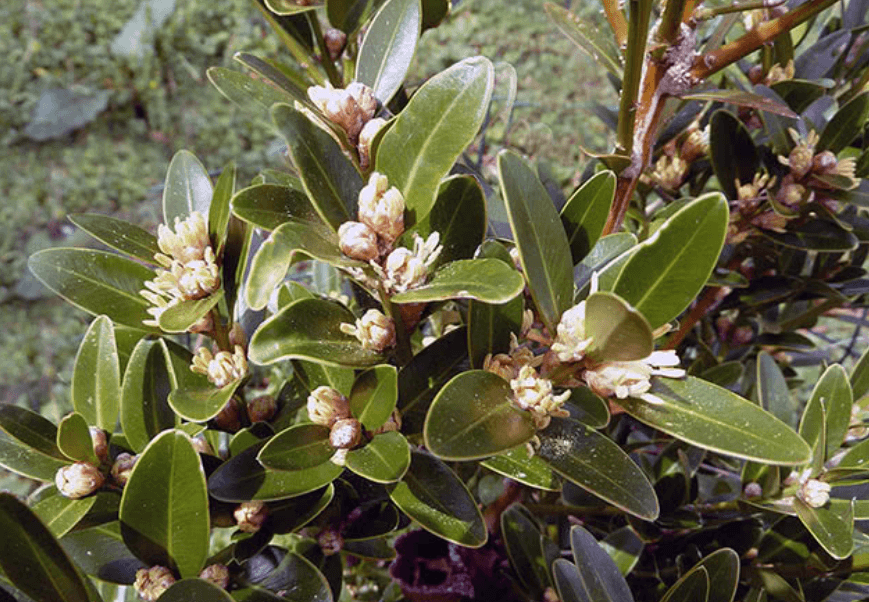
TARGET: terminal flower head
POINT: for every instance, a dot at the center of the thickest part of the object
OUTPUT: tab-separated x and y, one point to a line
358	241
187	242
405	269
534	394
153	582
382	208
221	368
78	480
250	516
571	340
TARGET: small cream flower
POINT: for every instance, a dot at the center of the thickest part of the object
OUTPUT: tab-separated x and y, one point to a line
792	194
800	158
78	480
670	172
153	582
382	208
222	368
327	406
182	282
507	366
696	144
218	574
365	99
123	467
534	394
571	341
814	493
358	241
250	516
753	190
631	379
188	242
405	269
346	433
366	139
374	330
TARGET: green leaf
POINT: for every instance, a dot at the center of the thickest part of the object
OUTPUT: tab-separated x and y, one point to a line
834	531
860	376
816	235
585	213
624	547
722	568
588	407
418	151
97	282
283	77
195	590
32	559
329	177
845	125
187	188
253	95
193	397
799	93
432	495
607	258
291	515
27	461
267	206
527	469
595	463
60	514
742	98
298	447
599	47
488	280
243	478
100	551
290	7
374	396
827	414
309	329
294	575
474	417
772	390
490	327
434	12
384	459
620	333
347	15
74	439
220	210
714	418
96	377
119	235
669	269
692	587
31	430
599	579
144	409
164	509
314	375
388	47
540	238
180	317
732	152
526	549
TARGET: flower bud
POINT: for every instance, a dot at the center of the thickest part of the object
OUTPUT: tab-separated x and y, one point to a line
814	493
153	582
335	41
187	242
340	108
262	408
696	145
366	139
250	516
100	443
405	269
502	365
374	330
203	325
222	368
217	574
229	417
358	241
791	195
122	468
237	337
752	490
326	406
330	541
382	208
824	163
78	480
346	433
670	172
800	161
365	100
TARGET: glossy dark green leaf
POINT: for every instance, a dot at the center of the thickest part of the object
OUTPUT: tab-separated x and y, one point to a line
97	282
722	568
599	579
220	209
193	397
832	393
474	417
180	317
599	47
540	238
834	531
329	177
670	268
845	125
291	515
434	12
347	15
421	379
27	461
195	590
187	188
295	576
432	495
275	255
298	447
588	407
816	235
164	513
585	213
374	396
32	559
606	259
568	582
388	47
490	327
418	151
525	548
317	375
714	418
384	459
74	439
620	332
253	95
692	587
290	7
592	461
371	549
243	478
525	468
144	408
60	514
267	206
101	552
488	280
309	329
119	235
772	390
624	547
282	76
458	215
742	98
96	377
859	377
799	93
732	151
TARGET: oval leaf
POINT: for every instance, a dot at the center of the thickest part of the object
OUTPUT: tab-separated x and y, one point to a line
525	548
119	235
96	377
164	512
374	395
669	269
722	567
714	418
620	333
488	280
144	408
598	573
74	439
256	97
388	47
60	514
28	462
187	188
267	206
432	495
195	590
772	390
732	151
180	317
845	125
525	468
101	552
692	587
30	429
300	446
384	459
833	530
584	214
474	417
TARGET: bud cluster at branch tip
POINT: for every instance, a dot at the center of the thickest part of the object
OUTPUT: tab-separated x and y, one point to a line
221	368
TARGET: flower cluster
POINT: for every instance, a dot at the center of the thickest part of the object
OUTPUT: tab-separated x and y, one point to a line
353	110
153	582
189	268
328	407
533	393
374	330
221	368
632	379
672	166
